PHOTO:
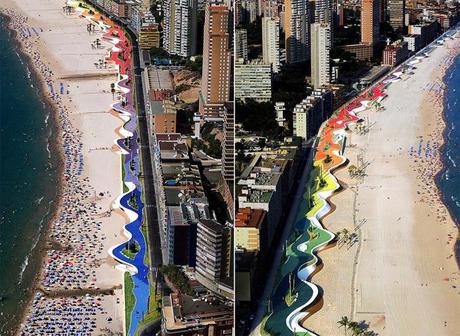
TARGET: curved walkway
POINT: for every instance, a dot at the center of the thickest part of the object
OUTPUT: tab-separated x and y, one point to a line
120	56
294	296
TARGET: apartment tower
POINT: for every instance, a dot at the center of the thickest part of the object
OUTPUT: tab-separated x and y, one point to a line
297	30
271	42
320	49
215	85
213	256
370	12
241	43
397	9
228	144
180	27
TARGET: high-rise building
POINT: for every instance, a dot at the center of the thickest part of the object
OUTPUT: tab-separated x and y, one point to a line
180	27
270	8
311	112
320	58
323	11
213	255
228	146
396	9
297	30
215	85
271	42
241	43
253	80
370	10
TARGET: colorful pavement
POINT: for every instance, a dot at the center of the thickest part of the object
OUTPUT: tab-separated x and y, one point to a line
120	56
291	304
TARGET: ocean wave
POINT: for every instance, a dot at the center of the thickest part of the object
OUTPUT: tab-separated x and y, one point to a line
36	240
39	200
23	268
454	164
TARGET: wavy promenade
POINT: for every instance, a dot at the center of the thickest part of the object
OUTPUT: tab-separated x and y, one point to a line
127	147
294	297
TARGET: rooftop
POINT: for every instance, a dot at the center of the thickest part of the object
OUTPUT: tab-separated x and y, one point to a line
249	218
182	311
160	79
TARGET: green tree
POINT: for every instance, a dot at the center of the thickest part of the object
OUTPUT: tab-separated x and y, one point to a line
344	322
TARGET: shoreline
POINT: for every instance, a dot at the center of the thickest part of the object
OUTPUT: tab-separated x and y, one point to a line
56	147
74	252
443	158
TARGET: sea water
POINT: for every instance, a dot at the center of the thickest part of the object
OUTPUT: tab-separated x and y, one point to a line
449	178
28	179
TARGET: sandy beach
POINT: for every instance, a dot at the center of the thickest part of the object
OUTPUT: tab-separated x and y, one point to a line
401	277
79	289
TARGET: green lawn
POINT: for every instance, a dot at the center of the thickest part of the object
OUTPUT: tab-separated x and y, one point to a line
125	188
130	300
131	254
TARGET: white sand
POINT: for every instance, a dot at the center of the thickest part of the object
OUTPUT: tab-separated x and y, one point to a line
400	285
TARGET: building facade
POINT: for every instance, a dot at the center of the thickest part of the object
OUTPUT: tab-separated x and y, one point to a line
215	85
395	53
311	112
213	256
241	43
253	80
297	30
396	11
370	21
180	27
320	54
228	146
271	42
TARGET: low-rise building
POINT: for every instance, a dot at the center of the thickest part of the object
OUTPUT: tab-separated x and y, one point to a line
361	51
164	116
172	147
185	315
250	229
414	42
149	36
427	31
395	53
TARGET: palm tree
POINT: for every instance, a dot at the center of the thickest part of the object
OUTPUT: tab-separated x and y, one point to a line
344	322
354	327
112	87
352	170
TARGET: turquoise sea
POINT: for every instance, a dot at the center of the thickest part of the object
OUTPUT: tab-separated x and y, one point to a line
28	179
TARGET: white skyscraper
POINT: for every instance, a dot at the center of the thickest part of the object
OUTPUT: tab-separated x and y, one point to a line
320	49
271	42
323	13
180	27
